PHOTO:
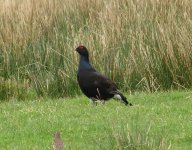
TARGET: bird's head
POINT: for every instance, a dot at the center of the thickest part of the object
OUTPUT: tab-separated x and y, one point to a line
82	50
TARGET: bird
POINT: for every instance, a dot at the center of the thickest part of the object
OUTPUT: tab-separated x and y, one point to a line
93	84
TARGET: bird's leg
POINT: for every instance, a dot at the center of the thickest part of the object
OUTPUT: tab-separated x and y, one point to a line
93	101
99	97
102	102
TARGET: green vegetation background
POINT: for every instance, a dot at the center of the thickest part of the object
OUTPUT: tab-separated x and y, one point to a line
142	46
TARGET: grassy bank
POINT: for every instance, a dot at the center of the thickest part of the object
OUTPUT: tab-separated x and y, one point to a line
156	121
141	45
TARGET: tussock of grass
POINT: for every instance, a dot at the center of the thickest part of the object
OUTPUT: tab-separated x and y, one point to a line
141	45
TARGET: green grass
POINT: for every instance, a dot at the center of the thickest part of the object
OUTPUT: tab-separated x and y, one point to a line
156	121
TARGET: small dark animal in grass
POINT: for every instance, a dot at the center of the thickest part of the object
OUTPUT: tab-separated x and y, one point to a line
94	85
57	142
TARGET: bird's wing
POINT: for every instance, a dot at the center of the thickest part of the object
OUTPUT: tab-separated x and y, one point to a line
104	83
93	79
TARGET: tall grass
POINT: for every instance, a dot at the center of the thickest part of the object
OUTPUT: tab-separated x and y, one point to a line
141	45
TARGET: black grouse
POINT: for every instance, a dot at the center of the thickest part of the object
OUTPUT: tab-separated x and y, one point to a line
94	85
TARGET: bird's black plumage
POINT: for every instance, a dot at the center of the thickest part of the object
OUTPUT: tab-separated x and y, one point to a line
93	84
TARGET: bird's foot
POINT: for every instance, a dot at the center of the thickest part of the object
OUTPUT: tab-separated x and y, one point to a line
102	102
92	102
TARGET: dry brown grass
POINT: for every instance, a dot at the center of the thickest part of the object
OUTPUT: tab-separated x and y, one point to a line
142	45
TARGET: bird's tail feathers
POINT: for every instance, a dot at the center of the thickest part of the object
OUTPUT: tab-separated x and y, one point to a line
120	96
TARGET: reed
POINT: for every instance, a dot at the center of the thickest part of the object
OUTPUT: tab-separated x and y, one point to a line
140	45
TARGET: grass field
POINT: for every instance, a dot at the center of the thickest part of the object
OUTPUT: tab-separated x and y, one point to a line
156	121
